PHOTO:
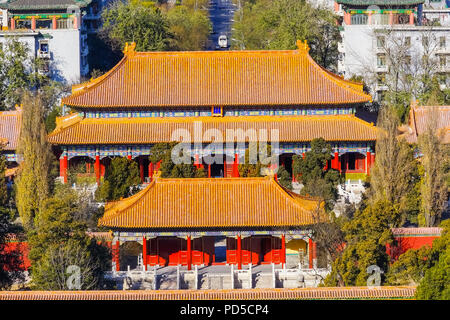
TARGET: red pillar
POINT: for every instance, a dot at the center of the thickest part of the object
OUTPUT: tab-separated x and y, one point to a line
235	166
209	171
372	158
335	161
13	24
129	157
63	165
189	253
116	255
141	169
283	249
97	168
411	18
310	253
239	252
144	252
54	25
314	254
369	164
150	171
33	23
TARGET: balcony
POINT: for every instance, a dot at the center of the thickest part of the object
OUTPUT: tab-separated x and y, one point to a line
382	68
43	54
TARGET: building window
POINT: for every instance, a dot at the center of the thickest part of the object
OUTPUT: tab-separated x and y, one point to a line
359	19
380	42
442	42
217	111
381	60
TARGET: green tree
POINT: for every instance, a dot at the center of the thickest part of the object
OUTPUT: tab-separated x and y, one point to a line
10	260
284	178
410	267
59	240
366	237
310	172
34	181
121	180
433	187
435	285
395	172
190	28
135	21
267	24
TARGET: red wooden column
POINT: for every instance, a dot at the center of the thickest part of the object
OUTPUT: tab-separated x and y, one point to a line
239	252
189	253
116	255
33	23
314	254
63	164
411	18
141	169
97	168
235	166
54	24
335	161
209	171
13	24
369	164
310	253
144	252
150	171
283	249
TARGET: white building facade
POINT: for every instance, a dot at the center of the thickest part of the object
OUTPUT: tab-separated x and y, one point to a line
377	35
55	31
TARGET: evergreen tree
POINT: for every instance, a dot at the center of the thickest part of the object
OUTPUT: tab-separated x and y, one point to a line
310	172
435	285
33	182
366	237
121	180
59	240
284	178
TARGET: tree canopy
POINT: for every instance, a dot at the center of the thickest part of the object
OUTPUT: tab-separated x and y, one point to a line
278	24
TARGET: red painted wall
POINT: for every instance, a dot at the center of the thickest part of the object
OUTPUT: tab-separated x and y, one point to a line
405	243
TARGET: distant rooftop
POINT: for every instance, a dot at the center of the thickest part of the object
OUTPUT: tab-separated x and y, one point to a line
43	4
380	2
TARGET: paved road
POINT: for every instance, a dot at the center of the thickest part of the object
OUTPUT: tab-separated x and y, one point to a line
221	13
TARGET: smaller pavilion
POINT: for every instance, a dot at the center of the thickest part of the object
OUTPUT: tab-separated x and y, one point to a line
207	221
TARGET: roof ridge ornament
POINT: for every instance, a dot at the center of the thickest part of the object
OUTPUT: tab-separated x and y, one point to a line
303	46
130	48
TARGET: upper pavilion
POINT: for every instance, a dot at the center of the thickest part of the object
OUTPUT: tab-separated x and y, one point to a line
147	96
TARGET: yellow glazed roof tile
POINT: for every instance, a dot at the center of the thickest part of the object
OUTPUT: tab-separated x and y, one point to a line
215	78
211	203
153	130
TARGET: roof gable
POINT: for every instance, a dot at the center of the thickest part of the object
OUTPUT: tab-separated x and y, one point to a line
210	203
213	78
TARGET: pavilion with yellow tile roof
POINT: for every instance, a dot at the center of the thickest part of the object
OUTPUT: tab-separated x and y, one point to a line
10	125
152	97
183	221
